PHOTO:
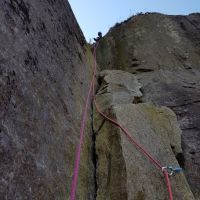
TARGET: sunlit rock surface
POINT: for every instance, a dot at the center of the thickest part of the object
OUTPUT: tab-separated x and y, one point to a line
122	171
163	52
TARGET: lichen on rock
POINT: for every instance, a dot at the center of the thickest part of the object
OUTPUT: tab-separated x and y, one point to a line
122	171
163	52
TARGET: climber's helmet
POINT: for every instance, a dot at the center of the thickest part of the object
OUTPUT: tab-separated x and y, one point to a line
100	34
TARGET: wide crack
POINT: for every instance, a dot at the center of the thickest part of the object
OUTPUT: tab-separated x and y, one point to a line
94	154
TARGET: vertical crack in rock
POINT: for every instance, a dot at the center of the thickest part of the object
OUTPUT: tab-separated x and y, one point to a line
179	157
181	160
110	163
94	155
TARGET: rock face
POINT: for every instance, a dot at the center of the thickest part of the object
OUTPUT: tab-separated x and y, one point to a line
164	54
44	76
152	41
45	68
119	87
122	171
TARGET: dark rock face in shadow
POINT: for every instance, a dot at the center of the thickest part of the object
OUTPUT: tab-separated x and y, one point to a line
44	77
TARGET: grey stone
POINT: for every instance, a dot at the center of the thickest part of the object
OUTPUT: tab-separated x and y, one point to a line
44	75
119	86
122	171
164	53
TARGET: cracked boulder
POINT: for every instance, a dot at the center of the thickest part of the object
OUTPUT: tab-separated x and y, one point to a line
122	172
163	51
119	87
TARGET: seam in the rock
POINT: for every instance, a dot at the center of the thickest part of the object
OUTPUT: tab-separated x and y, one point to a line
94	154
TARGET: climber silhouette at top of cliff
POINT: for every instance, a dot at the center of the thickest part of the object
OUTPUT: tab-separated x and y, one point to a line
99	37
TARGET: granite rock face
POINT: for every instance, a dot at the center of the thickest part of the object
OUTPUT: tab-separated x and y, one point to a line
164	54
152	41
119	86
122	172
44	75
45	68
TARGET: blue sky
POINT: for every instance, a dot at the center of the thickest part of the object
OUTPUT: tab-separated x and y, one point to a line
100	15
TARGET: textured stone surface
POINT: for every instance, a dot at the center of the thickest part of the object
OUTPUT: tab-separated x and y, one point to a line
43	82
119	87
122	171
180	91
45	67
152	41
164	53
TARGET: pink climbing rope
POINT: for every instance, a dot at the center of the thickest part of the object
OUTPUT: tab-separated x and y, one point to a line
82	129
128	135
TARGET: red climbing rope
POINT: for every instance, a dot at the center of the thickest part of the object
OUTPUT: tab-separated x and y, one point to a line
82	129
128	135
131	139
169	188
140	148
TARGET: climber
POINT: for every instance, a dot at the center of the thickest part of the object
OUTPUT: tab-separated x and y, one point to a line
99	37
